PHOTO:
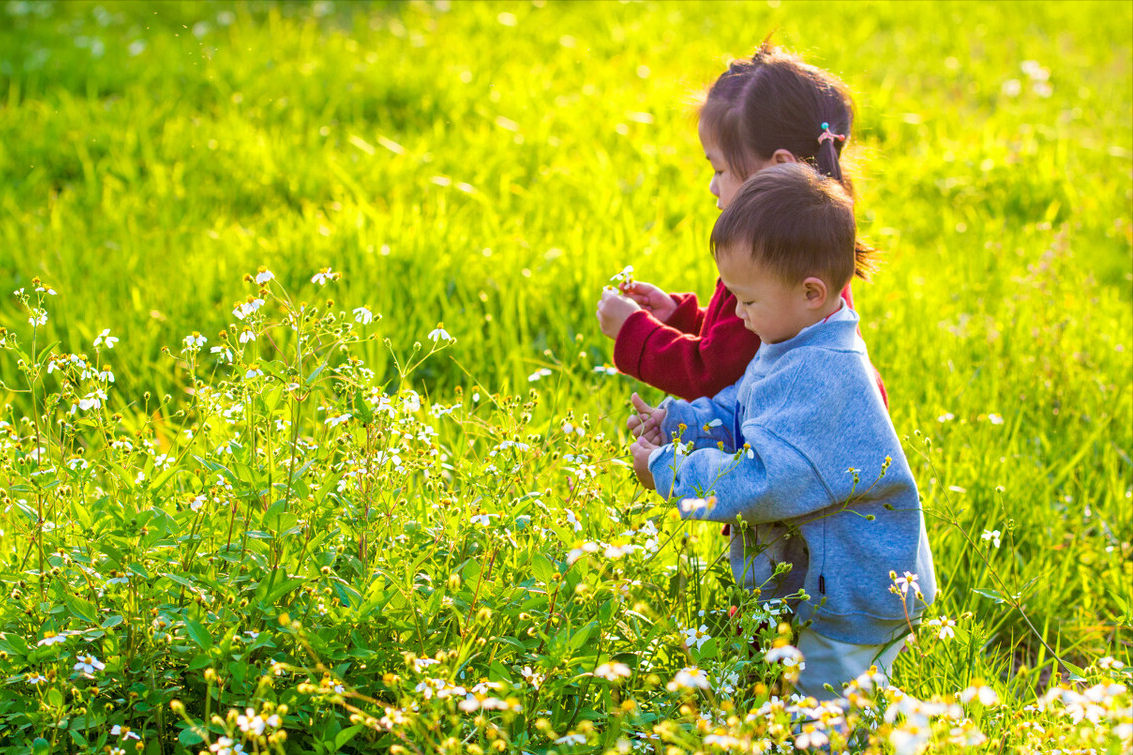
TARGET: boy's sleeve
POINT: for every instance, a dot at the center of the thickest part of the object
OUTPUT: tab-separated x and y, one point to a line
848	296
773	482
685	365
707	421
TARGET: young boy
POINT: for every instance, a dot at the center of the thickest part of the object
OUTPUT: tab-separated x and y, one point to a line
803	440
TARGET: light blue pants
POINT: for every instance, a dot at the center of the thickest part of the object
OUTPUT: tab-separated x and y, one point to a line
836	663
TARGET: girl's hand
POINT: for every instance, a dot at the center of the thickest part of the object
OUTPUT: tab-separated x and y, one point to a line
646	421
650	298
613	310
641	449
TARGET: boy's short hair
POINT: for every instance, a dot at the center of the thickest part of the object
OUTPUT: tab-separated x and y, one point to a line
797	224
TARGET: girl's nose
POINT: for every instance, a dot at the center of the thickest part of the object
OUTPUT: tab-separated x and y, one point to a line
713	186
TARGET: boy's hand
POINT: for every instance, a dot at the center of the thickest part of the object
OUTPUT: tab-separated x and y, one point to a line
613	310
650	298
641	449
646	421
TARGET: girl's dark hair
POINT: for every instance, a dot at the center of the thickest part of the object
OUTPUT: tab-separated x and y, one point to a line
795	223
776	101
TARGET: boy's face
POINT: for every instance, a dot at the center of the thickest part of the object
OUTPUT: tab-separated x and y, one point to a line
773	310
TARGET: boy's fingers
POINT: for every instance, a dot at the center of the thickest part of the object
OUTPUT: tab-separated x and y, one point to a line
639	404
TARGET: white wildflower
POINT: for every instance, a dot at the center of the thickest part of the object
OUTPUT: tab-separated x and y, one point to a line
88	664
992	535
439	334
105	339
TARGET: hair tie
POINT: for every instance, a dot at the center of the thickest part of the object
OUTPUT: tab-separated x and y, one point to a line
828	135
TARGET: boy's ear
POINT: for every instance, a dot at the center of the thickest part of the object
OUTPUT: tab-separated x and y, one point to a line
815	292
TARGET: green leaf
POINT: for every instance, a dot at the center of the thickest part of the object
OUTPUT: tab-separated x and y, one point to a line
189	737
82	608
45	352
112	621
347	594
198	633
579	638
179	580
542	568
993	594
347	734
199	661
271	588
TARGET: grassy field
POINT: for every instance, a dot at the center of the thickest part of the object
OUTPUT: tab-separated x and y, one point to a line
341	523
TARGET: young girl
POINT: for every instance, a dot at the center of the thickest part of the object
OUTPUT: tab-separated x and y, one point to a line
771	109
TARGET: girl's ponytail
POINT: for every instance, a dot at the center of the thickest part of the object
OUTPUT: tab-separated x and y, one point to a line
827	158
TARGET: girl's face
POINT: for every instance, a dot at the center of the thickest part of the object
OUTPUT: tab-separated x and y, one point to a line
725	182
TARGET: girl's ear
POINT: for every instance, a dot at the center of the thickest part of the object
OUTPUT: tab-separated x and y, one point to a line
780	156
815	293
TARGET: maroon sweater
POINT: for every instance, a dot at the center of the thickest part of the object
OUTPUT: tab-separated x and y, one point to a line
699	352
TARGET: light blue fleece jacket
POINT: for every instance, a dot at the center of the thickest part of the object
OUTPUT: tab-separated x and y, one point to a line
810	413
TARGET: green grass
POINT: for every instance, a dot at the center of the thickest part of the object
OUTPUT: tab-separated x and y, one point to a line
489	166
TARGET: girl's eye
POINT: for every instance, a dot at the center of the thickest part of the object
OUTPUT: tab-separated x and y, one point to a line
719	172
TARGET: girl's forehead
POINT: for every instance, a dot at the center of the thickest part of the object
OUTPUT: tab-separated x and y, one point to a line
706	133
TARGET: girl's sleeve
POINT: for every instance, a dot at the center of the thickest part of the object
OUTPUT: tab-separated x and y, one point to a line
685	365
688	316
